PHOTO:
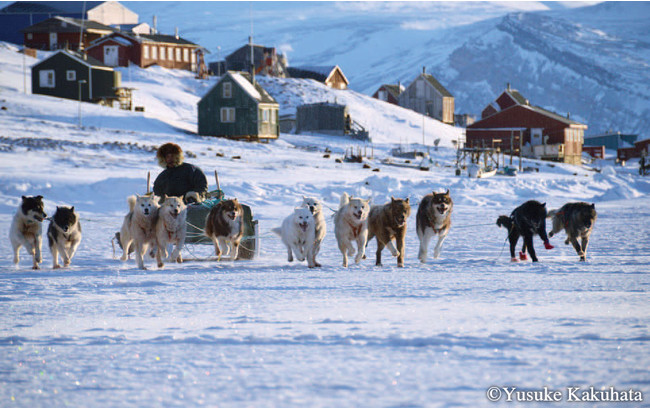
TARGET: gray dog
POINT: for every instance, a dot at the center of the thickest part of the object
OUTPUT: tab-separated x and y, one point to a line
577	219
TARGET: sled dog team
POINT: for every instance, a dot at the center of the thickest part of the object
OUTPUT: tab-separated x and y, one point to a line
153	226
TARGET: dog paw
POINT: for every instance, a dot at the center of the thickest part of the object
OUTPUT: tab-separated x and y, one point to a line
400	265
57	266
160	264
317	265
35	267
514	260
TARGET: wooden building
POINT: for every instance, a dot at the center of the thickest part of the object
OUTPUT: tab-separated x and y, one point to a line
541	133
611	140
267	61
427	96
641	148
143	50
66	73
63	32
332	76
237	108
22	14
389	93
330	119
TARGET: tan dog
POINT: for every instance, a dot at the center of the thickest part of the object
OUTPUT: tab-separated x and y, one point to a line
351	224
27	229
139	227
433	218
170	229
387	222
225	227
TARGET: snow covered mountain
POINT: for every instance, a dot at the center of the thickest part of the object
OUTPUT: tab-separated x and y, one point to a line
589	61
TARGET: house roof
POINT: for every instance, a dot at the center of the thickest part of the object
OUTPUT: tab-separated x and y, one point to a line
43	7
148	38
514	94
536	109
163	38
66	24
434	82
82	58
394	90
243	79
319	73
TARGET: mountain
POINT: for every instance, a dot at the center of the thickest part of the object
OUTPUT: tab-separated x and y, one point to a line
587	60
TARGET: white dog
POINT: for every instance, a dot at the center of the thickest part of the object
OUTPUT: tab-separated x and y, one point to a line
139	226
298	233
316	209
170	229
27	229
351	224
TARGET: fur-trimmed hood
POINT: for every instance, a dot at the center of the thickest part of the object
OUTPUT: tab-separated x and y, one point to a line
172	148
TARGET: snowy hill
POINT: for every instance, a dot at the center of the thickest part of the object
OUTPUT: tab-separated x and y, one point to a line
269	333
591	61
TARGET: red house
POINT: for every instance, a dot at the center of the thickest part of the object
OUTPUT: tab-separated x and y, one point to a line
389	93
143	50
510	121
641	148
63	32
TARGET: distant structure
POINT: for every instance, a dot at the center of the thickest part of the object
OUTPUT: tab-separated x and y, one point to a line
641	148
464	119
71	75
332	76
63	32
389	93
144	50
611	140
328	118
22	14
513	125
427	96
237	108
267	61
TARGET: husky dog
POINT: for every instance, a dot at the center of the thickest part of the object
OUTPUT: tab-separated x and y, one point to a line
298	233
64	235
433	217
139	226
387	222
316	209
577	219
170	229
351	224
225	227
26	229
527	220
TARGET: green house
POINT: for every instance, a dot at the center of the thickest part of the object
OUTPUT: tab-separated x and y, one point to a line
70	75
237	108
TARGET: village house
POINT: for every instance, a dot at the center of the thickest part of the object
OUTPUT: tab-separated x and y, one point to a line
267	61
427	96
389	93
332	76
143	50
63	32
22	14
237	107
641	148
510	122
71	75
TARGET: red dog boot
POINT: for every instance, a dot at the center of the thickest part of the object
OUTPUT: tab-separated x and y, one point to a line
523	256
548	245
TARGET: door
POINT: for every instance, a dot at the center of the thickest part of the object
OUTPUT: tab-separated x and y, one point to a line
536	136
53	41
110	55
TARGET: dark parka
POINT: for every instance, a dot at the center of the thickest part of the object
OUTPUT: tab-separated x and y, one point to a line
179	179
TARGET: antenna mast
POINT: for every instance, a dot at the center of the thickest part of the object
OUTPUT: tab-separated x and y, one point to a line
250	44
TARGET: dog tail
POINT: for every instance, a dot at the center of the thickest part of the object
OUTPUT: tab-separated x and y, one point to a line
345	199
131	200
277	231
552	213
504	221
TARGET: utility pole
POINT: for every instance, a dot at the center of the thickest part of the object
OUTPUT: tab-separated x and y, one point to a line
81	81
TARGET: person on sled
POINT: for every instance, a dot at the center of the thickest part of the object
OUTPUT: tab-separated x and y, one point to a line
179	178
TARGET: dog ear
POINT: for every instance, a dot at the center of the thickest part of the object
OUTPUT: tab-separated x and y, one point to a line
39	197
72	208
543	204
447	192
407	200
392	199
593	206
23	197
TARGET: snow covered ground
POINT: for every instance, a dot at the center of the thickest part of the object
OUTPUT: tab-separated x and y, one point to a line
267	333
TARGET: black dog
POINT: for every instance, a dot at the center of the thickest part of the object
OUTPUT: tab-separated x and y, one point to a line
527	220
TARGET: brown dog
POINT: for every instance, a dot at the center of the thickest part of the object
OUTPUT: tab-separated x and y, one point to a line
577	219
225	227
387	222
433	218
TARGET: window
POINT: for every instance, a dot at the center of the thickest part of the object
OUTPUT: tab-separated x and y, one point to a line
154	53
273	113
178	54
383	95
162	53
145	51
265	115
30	36
71	75
186	55
227	115
46	78
193	58
227	90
